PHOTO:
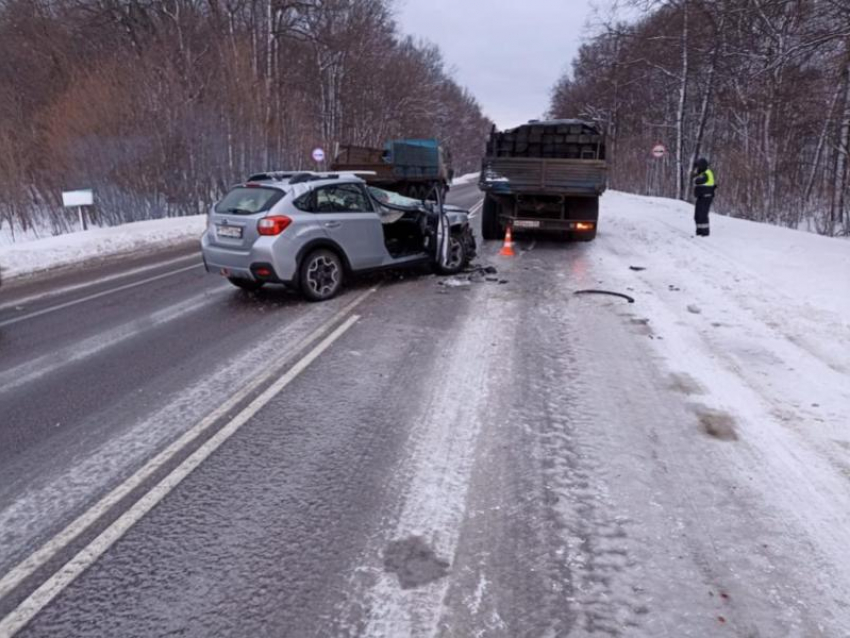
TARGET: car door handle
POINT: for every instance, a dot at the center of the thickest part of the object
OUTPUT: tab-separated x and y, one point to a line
333	224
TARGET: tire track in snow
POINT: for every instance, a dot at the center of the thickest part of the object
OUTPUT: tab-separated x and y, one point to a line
435	478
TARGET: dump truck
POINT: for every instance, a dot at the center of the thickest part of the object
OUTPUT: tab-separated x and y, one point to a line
544	176
411	167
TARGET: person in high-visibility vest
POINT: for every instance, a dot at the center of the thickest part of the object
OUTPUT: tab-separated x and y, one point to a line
704	187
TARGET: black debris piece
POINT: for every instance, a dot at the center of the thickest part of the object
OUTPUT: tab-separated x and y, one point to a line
637	268
487	270
605	292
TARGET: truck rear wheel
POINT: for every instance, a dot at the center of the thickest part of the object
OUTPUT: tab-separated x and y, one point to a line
490	225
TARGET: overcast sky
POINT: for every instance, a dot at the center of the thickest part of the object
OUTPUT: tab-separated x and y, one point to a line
509	53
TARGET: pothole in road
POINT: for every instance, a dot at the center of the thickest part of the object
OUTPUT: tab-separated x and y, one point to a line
716	424
414	562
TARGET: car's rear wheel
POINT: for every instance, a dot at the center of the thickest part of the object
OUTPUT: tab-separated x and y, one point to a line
321	275
249	285
457	258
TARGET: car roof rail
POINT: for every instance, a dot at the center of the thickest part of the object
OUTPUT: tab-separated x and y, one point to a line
309	176
299	177
270	176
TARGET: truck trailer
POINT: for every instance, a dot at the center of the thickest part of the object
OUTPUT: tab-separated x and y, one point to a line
411	167
544	176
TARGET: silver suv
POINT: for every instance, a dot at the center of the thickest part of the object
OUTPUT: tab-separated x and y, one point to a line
309	230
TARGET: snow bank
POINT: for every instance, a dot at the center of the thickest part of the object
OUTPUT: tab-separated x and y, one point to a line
51	252
808	267
469	178
755	321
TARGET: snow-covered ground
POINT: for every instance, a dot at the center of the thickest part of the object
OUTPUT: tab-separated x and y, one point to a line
767	304
466	179
26	257
753	323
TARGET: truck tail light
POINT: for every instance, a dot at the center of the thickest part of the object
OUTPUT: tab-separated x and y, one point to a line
584	226
273	225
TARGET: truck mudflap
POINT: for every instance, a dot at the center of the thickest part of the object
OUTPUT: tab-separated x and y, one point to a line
572	225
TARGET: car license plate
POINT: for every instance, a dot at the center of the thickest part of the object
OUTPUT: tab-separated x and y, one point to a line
526	223
231	232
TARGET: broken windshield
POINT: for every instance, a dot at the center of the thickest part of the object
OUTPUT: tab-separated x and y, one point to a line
394	200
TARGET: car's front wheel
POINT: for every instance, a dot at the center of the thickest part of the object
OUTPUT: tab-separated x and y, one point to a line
248	285
457	258
321	275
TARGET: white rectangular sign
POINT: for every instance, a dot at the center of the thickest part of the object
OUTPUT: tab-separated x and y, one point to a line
77	198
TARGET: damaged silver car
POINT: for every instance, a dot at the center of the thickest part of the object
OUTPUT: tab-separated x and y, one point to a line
312	230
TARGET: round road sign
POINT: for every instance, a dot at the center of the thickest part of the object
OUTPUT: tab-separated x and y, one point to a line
659	150
318	155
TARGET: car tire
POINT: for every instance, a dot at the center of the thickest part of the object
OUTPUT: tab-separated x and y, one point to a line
490	225
321	275
458	258
248	285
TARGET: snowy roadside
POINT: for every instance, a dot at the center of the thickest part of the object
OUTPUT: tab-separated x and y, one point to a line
767	305
25	258
469	178
753	322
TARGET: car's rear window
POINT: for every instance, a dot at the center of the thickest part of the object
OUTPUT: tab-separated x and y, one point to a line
248	201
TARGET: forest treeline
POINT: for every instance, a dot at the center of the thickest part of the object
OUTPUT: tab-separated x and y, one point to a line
759	87
160	104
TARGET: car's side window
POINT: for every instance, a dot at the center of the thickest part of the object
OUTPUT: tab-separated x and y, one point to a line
325	200
305	202
343	198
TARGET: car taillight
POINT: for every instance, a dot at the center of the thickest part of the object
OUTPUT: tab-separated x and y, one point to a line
273	225
584	226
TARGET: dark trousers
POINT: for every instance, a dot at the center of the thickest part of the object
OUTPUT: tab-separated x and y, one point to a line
703	205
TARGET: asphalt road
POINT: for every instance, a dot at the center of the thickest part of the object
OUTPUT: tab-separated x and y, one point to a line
419	457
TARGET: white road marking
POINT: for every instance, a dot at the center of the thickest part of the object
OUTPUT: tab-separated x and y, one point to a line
97	295
19	617
34	369
23	301
476	208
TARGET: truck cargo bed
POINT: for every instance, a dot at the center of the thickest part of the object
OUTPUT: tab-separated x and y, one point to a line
505	175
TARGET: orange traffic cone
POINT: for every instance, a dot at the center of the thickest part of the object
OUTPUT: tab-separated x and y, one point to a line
508	246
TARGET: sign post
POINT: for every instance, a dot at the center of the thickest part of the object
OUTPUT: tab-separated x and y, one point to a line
318	156
78	199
